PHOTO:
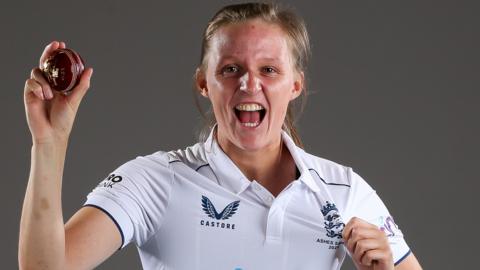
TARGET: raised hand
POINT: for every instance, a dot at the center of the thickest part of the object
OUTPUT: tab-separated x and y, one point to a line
50	114
368	245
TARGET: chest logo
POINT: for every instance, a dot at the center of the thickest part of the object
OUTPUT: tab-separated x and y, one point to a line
333	222
227	212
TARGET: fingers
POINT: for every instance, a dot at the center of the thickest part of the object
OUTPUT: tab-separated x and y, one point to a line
37	75
355	223
49	49
31	85
367	244
34	105
375	256
359	234
363	246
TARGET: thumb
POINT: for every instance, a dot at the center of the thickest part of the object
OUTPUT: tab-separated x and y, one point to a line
77	93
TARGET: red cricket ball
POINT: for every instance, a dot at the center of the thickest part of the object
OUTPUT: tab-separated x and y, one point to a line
63	69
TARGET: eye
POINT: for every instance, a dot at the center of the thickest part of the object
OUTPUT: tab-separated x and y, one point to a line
269	70
230	69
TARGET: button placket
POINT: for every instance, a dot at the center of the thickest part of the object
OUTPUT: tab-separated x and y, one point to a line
276	218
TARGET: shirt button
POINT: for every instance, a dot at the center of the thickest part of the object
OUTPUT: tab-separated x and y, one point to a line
257	188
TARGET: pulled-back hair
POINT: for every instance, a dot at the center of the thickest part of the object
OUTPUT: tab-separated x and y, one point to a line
298	40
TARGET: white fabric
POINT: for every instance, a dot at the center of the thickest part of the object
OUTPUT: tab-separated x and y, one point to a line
194	209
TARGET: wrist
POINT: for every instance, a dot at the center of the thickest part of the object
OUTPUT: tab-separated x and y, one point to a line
51	142
49	152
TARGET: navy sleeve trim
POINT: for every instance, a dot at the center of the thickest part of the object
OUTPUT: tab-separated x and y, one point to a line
111	217
332	184
403	258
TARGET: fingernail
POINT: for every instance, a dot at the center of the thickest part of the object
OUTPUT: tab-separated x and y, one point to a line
49	94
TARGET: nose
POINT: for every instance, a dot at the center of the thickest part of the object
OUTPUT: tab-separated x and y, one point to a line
250	83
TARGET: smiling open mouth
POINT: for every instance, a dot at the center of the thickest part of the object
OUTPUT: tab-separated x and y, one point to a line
250	114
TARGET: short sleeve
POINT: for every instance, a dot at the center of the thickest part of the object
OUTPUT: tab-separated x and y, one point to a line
135	196
364	203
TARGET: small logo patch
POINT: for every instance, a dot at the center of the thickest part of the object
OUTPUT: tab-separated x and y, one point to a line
333	223
110	181
388	226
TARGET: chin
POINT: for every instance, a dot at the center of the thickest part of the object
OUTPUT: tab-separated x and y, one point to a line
252	139
248	138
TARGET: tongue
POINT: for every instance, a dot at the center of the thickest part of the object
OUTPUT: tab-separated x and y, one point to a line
249	117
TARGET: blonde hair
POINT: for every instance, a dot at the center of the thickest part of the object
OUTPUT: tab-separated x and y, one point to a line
299	42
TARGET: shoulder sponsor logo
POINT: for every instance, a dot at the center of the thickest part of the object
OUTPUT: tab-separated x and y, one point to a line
388	226
333	226
210	210
111	180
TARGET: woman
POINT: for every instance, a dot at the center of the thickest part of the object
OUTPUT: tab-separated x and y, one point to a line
246	198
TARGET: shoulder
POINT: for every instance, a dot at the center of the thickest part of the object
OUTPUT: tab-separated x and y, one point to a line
148	162
191	156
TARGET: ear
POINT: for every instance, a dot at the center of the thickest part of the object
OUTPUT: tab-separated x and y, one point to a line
201	82
298	85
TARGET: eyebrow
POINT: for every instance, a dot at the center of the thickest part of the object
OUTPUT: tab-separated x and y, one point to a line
273	59
269	59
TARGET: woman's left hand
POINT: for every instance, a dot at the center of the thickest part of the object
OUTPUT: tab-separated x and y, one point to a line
368	245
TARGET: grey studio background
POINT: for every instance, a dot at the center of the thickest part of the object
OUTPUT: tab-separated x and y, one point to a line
394	93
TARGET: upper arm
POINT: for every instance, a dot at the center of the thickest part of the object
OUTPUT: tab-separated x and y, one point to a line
409	263
127	206
91	236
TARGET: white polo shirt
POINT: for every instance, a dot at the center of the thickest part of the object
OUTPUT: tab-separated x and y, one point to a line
194	209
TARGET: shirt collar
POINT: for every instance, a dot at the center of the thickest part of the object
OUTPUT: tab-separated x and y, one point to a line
232	178
299	157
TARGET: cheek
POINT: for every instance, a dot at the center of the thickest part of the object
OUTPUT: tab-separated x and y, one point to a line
279	108
279	97
220	96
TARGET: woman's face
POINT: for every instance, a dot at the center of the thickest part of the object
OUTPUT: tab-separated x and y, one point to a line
250	79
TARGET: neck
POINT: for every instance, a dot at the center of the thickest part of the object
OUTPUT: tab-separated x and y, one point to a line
271	166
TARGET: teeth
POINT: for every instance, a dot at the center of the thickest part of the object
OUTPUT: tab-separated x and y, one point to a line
251	124
249	107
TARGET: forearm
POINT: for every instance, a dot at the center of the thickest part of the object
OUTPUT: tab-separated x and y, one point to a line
42	233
